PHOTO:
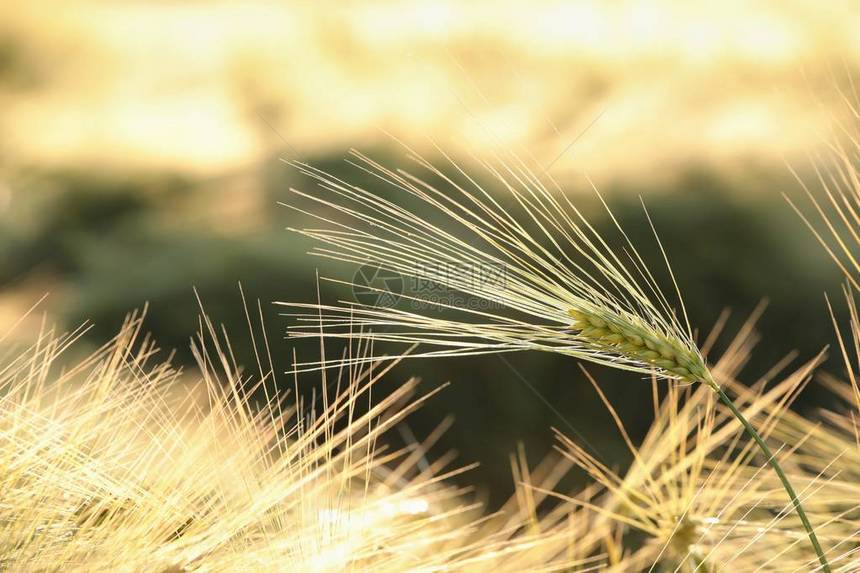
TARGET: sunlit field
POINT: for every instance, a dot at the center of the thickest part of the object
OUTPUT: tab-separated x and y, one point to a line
429	286
202	86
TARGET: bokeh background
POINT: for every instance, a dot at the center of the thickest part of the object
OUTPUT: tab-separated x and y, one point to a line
142	142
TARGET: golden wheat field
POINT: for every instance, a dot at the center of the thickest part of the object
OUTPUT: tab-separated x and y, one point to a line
429	286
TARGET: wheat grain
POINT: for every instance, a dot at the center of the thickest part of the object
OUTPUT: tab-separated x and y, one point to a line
629	338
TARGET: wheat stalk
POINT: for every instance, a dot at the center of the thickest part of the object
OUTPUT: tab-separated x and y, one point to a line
559	269
693	487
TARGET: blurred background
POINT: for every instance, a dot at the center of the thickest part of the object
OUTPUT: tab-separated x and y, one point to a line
141	154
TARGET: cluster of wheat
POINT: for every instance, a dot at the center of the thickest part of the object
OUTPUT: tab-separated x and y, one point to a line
123	463
119	462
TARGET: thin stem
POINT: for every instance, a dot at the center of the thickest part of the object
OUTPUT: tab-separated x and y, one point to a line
825	567
700	564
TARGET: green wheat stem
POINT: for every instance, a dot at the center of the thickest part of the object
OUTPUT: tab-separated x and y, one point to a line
825	566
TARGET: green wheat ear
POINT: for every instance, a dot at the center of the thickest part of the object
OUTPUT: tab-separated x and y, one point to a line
628	339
